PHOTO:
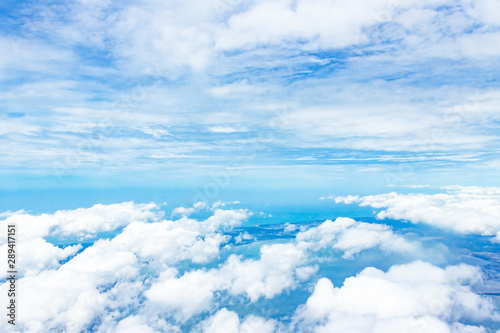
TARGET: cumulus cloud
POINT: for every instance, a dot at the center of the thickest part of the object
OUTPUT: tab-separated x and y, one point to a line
280	266
186	211
183	211
82	222
352	237
110	274
37	255
268	276
134	324
185	296
228	321
416	297
244	236
468	210
194	291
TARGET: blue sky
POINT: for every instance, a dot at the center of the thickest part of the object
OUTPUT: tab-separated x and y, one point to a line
251	165
282	91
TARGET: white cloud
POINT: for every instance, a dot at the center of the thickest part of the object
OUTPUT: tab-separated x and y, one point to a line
228	322
9	213
170	36
352	237
280	266
306	272
222	321
225	219
234	89
111	273
266	277
223	204
36	255
183	211
31	55
468	210
168	242
485	11
186	296
188	41
194	292
73	290
392	185
134	324
227	129
416	297
244	236
137	270
289	227
82	222
379	125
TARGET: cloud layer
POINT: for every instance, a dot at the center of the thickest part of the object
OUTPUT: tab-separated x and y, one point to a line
188	83
160	275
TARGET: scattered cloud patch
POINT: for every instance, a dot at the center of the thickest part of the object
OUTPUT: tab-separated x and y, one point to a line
467	210
352	237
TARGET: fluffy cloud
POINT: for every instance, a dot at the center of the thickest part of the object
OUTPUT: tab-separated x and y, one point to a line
352	237
150	239
186	211
416	297
37	255
78	292
280	267
82	222
268	276
134	324
228	321
110	275
468	210
194	291
186	296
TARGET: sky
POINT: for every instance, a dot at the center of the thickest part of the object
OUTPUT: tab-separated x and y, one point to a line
250	166
302	94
